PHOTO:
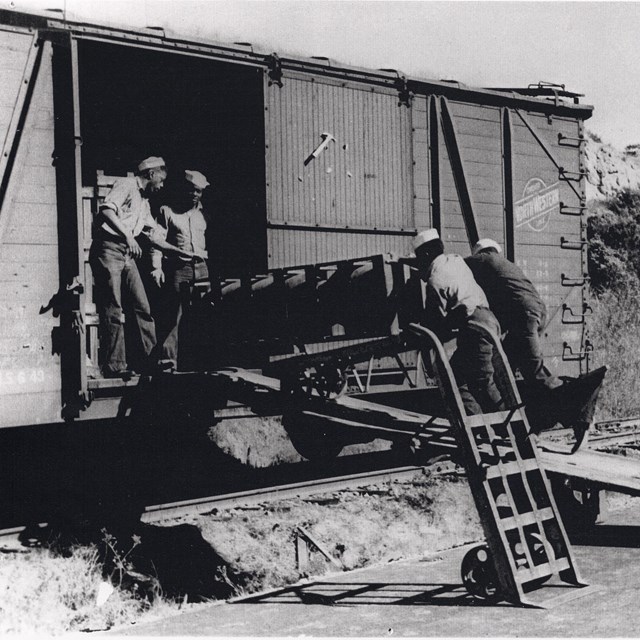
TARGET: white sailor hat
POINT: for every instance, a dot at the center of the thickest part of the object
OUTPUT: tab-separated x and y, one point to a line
152	162
425	236
485	243
196	178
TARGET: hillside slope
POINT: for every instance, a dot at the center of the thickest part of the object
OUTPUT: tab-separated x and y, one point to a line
610	170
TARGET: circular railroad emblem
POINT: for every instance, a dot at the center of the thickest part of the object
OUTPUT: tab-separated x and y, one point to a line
537	204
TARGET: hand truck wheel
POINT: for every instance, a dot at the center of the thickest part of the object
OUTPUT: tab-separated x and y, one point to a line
479	574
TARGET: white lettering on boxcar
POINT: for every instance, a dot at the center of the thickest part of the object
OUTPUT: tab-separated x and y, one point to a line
537	204
27	381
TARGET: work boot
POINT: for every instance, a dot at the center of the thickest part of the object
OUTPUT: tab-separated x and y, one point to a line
581	434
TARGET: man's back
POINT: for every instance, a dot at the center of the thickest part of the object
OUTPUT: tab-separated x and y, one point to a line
510	293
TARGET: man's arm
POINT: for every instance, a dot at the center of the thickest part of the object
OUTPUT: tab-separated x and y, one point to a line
156	234
111	218
119	194
159	243
435	312
160	231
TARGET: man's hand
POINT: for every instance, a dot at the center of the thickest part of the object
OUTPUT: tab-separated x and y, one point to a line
133	247
158	276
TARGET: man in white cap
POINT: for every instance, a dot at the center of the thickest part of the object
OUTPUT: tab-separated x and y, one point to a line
455	302
185	226
519	309
124	219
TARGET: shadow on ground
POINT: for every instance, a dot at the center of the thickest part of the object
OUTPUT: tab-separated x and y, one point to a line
608	535
373	593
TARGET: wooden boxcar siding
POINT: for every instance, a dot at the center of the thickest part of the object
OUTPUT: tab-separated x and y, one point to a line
29	373
361	181
479	138
15	49
538	251
289	247
421	173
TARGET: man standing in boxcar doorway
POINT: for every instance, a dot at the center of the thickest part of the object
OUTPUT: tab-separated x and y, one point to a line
455	302
185	226
124	220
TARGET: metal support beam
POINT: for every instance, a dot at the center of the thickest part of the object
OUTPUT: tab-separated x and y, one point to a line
507	180
459	174
434	164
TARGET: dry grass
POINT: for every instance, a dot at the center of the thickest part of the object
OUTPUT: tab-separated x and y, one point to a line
46	594
614	331
257	442
263	442
383	523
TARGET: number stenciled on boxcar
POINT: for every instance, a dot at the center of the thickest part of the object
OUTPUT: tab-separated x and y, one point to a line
16	380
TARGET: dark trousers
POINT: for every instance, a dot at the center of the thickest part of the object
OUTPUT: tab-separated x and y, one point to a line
117	280
522	346
472	363
180	277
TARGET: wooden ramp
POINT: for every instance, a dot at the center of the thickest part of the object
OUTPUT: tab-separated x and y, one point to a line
604	470
345	411
526	541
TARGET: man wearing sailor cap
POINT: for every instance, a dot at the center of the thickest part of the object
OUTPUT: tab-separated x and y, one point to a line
124	219
185	225
522	314
455	302
519	309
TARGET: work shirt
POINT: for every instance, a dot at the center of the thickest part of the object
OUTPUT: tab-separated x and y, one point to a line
452	292
132	208
185	230
510	293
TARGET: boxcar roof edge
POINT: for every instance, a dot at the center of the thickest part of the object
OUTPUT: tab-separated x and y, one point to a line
246	54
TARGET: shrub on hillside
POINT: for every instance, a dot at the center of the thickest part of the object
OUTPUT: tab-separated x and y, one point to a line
615	335
614	242
614	329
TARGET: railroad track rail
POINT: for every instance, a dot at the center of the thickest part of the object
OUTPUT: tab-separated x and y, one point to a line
611	432
185	508
158	513
607	432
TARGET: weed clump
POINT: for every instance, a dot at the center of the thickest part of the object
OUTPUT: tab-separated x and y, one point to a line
615	335
46	594
374	525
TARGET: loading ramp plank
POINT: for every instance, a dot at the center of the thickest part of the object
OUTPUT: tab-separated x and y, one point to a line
607	470
351	412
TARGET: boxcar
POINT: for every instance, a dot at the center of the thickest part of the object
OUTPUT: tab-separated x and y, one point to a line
82	102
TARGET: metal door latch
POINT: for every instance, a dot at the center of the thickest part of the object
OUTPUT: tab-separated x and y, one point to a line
274	69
